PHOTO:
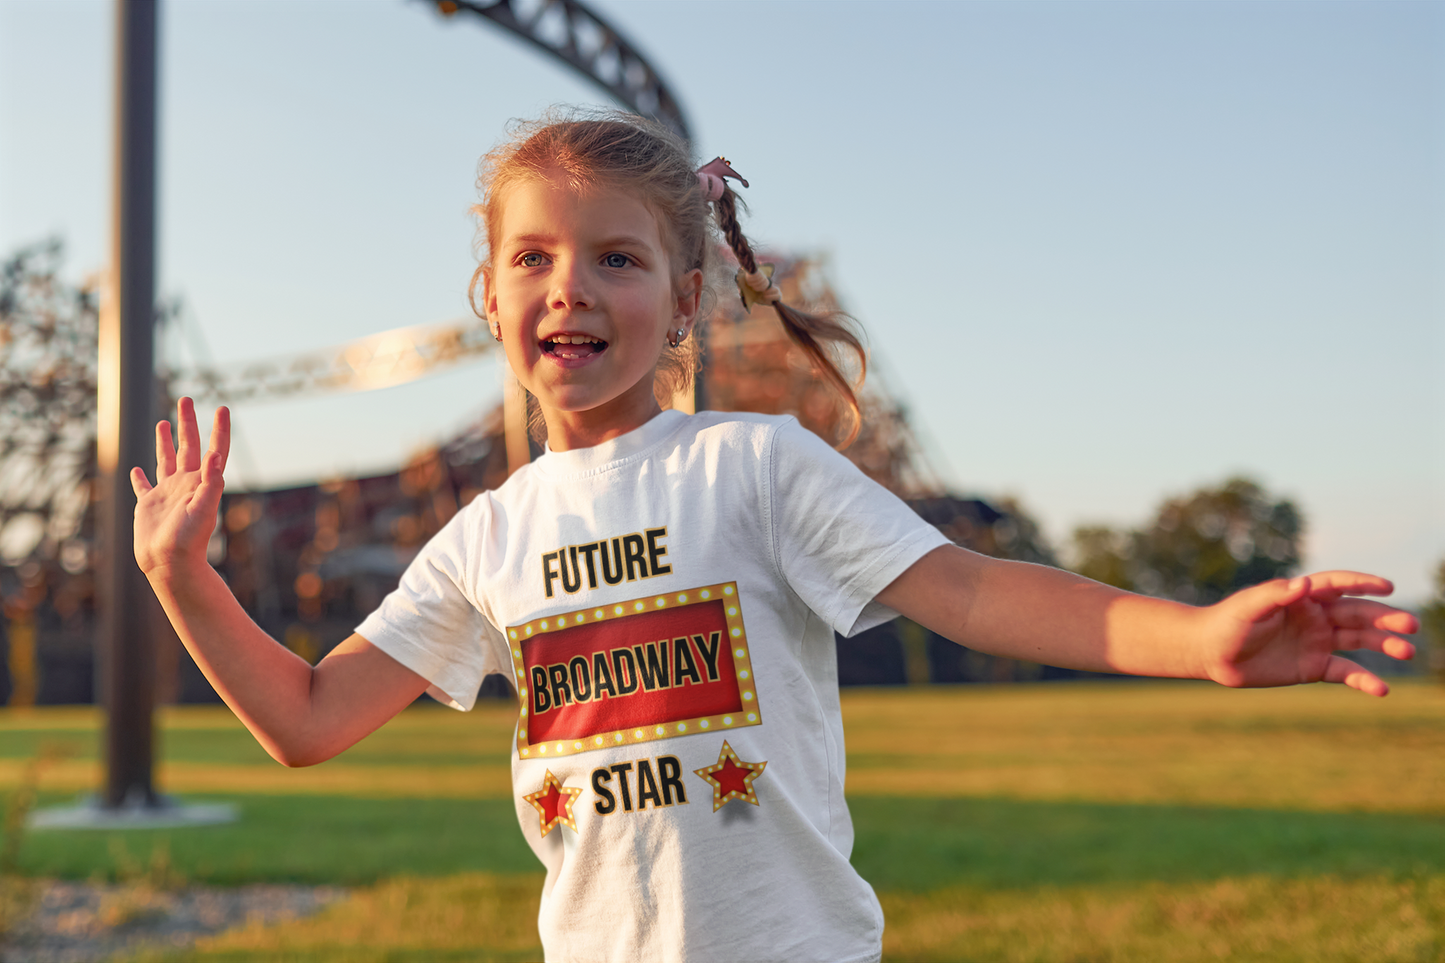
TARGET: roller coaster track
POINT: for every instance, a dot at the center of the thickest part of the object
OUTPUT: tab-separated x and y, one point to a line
375	361
570	32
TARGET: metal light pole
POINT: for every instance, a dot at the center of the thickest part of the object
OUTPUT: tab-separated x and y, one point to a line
126	383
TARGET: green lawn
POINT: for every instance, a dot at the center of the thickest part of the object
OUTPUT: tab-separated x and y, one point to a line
304	839
1051	822
920	845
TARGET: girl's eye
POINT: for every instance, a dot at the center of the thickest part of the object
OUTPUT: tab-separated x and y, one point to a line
530	260
617	260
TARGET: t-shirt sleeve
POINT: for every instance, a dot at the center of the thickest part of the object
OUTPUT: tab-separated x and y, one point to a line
433	624
839	537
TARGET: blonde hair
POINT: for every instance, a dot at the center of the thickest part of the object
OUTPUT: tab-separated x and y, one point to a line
611	149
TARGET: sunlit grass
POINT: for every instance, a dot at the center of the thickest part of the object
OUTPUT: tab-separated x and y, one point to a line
1318	748
204	749
482	917
1098	821
1247	918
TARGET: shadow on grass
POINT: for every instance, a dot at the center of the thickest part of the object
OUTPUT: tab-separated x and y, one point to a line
303	839
916	845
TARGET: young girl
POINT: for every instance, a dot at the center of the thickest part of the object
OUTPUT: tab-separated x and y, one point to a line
664	588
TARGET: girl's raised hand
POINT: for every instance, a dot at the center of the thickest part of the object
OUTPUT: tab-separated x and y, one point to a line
1287	631
174	518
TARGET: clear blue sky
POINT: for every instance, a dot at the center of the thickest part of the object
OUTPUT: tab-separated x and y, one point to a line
1108	252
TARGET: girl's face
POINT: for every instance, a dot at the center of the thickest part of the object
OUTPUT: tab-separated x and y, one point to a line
583	294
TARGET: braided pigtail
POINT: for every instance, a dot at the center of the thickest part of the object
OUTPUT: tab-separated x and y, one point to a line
817	333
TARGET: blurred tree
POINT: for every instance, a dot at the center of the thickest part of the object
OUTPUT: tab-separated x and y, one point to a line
1198	548
1104	554
47	465
1432	624
1018	536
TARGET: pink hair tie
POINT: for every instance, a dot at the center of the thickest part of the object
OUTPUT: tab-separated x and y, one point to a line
712	187
710	178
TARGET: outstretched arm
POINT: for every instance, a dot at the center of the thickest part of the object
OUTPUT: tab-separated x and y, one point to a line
300	714
1276	633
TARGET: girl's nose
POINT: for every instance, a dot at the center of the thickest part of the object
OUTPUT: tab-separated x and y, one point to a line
570	287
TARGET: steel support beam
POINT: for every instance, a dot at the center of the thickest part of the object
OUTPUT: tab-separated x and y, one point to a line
125	393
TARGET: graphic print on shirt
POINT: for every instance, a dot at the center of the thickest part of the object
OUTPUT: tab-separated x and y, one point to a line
650	668
665	789
629	557
553	803
731	778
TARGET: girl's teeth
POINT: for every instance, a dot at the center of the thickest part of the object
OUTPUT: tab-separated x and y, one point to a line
574	346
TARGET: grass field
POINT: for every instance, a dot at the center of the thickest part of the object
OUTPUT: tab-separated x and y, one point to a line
1101	821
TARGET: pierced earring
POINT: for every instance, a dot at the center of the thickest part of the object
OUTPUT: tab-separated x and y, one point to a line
676	338
497	333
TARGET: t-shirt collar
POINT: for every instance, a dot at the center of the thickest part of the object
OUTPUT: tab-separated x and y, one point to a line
622	448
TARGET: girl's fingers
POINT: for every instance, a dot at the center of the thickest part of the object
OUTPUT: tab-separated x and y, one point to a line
1325	586
1344	671
1351	613
208	496
165	452
138	482
221	436
1263	600
188	458
1376	640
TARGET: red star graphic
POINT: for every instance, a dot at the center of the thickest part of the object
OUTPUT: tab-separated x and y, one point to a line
731	778
553	803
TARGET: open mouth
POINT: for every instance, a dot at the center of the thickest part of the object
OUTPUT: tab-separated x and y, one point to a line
573	347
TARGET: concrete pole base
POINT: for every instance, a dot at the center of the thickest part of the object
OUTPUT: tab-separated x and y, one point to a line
164	813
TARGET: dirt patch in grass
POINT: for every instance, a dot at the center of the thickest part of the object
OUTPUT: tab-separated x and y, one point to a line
471	917
76	922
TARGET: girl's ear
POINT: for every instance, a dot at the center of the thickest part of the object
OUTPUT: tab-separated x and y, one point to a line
689	298
489	296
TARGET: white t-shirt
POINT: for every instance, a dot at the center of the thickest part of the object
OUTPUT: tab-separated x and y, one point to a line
665	603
